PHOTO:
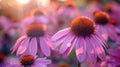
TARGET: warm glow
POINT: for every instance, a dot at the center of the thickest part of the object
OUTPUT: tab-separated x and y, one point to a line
43	3
23	1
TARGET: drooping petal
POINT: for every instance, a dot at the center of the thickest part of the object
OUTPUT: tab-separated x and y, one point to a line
60	41
49	42
98	47
33	46
17	44
81	49
69	49
23	47
66	43
111	32
104	33
60	34
101	40
90	51
44	46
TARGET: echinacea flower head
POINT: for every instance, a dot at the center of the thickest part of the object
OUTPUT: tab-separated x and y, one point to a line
101	18
82	27
104	27
34	35
82	35
35	30
29	60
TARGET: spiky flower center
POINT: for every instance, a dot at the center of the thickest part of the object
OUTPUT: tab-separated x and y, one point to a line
82	26
27	60
101	18
35	30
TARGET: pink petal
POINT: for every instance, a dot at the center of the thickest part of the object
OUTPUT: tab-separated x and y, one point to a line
81	49
66	43
42	61
49	42
101	40
17	44
44	46
104	33
33	46
59	41
69	49
112	32
23	47
98	47
60	34
91	51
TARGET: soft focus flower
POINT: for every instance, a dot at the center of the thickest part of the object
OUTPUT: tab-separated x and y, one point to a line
114	12
66	13
37	16
114	59
104	27
29	60
81	35
34	35
94	5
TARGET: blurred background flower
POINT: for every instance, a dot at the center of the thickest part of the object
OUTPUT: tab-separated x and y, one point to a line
17	15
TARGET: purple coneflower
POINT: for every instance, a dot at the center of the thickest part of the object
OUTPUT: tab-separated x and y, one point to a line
81	35
31	61
114	12
104	27
69	11
34	35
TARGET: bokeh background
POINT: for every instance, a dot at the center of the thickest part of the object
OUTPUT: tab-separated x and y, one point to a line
17	10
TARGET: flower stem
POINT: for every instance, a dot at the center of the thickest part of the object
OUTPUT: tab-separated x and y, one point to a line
79	64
